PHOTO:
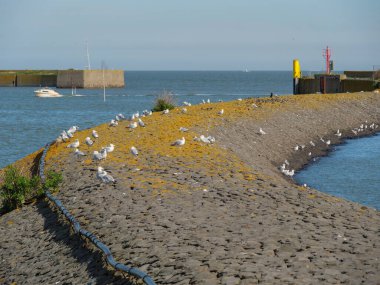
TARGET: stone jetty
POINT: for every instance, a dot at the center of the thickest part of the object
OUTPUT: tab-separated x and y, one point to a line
204	213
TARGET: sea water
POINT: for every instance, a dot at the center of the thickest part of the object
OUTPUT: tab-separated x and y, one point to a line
350	171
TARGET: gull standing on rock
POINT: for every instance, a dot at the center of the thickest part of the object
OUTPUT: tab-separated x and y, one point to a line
179	142
104	176
75	144
113	123
166	111
133	125
97	156
109	148
134	151
262	132
73	129
89	142
338	133
296	147
141	123
221	112
95	134
79	153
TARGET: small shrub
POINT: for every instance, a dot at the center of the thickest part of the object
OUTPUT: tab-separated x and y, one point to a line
15	188
164	101
53	179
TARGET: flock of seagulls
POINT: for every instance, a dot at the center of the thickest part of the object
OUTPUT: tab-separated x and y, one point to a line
356	131
133	124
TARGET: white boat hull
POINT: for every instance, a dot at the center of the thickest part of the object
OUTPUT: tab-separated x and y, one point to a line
47	93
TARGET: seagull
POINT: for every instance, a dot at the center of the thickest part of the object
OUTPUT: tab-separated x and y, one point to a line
75	144
254	105
309	153
133	125
97	156
328	142
179	142
134	151
69	134
186	103
286	162
338	133
73	129
221	112
182	129
208	101
240	99
262	132
113	123
64	136
109	148
296	147
89	142
95	134
312	143
117	118
166	111
137	114
79	153
104	176
103	152
203	101
184	110
141	123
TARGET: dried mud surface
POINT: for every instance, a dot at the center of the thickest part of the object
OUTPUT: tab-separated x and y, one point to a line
205	214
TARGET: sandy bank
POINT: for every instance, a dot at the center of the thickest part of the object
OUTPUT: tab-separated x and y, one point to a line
210	214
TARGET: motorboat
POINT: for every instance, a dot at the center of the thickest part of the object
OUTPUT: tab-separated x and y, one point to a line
47	93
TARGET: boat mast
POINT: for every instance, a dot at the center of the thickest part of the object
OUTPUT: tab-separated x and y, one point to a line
104	88
88	57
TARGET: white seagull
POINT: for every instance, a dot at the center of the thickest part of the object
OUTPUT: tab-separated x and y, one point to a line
141	123
221	112
113	123
166	111
184	110
89	142
79	153
133	125
97	156
95	134
110	148
262	132
134	151
179	142
104	176
75	144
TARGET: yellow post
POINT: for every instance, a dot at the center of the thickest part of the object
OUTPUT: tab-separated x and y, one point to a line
296	75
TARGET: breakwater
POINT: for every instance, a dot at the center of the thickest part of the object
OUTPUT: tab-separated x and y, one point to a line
223	212
63	78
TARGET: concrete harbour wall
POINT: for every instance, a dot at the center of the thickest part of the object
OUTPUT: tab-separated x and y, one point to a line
90	78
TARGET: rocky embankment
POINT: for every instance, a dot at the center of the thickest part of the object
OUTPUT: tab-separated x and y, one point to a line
221	213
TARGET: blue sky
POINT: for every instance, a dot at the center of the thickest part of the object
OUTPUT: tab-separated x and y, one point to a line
189	35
